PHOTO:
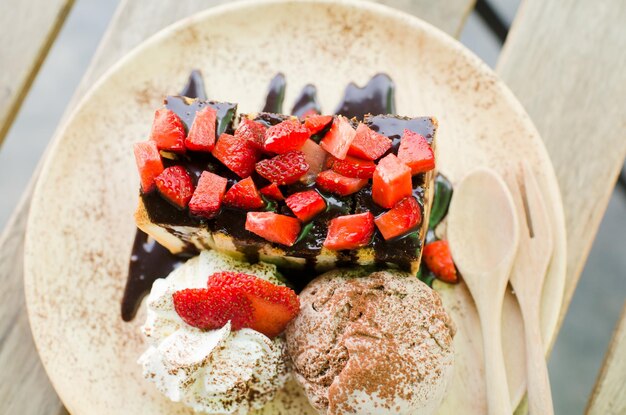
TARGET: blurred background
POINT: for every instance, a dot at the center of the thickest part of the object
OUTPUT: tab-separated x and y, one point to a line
595	308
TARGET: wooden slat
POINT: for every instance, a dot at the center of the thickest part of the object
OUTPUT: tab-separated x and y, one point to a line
27	30
609	395
134	21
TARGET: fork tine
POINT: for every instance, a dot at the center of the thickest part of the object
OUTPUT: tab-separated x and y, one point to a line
537	210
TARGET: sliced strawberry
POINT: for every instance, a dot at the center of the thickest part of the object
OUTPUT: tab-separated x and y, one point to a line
273	306
368	144
316	123
149	164
416	153
309	113
315	157
273	192
391	182
237	154
284	168
201	135
252	131
168	131
401	219
306	205
354	167
350	231
211	308
175	185
287	136
207	198
338	139
244	195
438	259
336	183
273	227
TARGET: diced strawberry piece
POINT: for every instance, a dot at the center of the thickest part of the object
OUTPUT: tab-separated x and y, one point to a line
287	136
207	198
416	153
354	167
211	308
336	183
310	112
244	195
252	131
438	259
338	139
273	306
149	164
273	192
368	144
401	219
284	168
175	185
306	205
273	227
201	135
315	157
168	131
350	231
316	123
391	182
237	154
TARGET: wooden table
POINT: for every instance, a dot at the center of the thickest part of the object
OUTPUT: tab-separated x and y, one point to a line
564	59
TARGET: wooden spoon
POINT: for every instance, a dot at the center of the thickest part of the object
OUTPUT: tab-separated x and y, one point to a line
483	233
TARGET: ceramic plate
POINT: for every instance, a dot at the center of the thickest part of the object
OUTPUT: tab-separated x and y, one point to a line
81	223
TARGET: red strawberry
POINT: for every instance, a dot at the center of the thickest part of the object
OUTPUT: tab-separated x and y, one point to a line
316	123
338	139
350	231
354	167
211	308
391	182
168	131
401	219
315	157
287	136
368	144
149	164
336	183
252	131
416	153
284	168
273	192
202	133
273	306
306	205
207	198
273	227
237	154
175	185
244	195
438	259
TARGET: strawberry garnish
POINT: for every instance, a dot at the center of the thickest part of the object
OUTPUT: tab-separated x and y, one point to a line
401	219
273	227
354	167
201	135
238	154
316	123
244	195
350	231
336	183
438	259
207	198
368	144
338	139
211	308
149	164
416	153
175	185
168	131
284	168
315	157
391	182
287	136
272	191
252	131
306	205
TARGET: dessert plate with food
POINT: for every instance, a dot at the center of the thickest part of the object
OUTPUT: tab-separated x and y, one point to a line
267	233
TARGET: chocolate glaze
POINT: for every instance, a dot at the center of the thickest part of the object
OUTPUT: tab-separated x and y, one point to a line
306	101
275	94
195	86
376	97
